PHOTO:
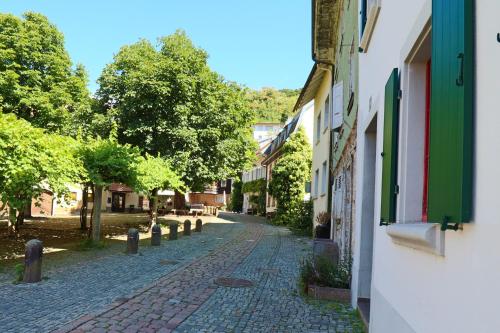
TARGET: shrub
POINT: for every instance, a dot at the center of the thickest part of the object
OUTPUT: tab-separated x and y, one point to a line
322	272
302	223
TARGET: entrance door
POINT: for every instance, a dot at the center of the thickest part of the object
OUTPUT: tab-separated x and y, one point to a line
368	222
118	202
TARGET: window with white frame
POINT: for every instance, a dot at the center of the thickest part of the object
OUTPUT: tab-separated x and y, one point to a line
326	118
367	17
324	178
316	182
318	127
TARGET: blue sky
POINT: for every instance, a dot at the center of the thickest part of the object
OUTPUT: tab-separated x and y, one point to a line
257	43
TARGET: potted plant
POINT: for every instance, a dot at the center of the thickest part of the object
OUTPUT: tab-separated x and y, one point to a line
322	229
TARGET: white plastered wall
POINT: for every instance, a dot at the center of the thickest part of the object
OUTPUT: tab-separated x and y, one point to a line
414	290
321	147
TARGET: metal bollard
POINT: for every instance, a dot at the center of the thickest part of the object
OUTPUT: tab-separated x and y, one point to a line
132	241
173	231
199	224
187	228
156	235
33	261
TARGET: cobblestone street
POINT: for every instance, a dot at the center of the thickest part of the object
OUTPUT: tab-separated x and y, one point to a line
173	288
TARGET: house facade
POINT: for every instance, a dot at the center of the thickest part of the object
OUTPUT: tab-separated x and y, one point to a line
251	197
344	109
116	198
304	119
426	199
317	89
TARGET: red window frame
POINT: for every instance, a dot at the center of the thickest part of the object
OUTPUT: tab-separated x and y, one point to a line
425	195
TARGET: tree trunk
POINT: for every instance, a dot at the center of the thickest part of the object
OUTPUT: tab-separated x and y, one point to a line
84	209
11	222
96	213
153	208
20	219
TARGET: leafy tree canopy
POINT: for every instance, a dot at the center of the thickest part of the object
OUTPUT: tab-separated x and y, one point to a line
34	161
106	161
37	80
168	101
272	105
156	173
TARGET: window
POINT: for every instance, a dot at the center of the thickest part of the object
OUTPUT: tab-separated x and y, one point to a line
337	105
318	127
352	77
223	183
316	183
73	196
324	178
434	181
367	18
327	113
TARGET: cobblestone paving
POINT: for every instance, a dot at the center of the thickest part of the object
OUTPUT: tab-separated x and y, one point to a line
273	304
76	290
138	294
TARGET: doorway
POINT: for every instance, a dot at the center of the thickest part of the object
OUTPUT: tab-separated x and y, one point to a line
367	220
117	202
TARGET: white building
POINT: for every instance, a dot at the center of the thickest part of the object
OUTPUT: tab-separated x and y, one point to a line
258	172
265	132
427	141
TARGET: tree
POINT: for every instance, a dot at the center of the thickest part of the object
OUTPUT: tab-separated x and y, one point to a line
37	80
167	101
33	161
153	174
106	162
236	204
272	105
289	177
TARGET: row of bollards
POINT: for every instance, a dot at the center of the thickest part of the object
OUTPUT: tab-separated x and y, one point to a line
133	234
34	247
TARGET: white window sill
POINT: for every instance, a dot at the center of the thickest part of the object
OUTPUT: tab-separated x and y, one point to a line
426	237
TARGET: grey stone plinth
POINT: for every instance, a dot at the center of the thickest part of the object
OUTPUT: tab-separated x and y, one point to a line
33	261
187	228
132	241
173	231
156	235
199	225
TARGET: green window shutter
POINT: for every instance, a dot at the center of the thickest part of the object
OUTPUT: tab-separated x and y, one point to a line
390	152
451	114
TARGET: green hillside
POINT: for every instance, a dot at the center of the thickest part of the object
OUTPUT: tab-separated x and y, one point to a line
272	105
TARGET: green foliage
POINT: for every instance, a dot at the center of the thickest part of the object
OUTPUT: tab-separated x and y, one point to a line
272	105
106	161
289	177
155	173
34	161
322	272
236	204
258	186
18	273
168	101
90	244
302	224
254	186
37	80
